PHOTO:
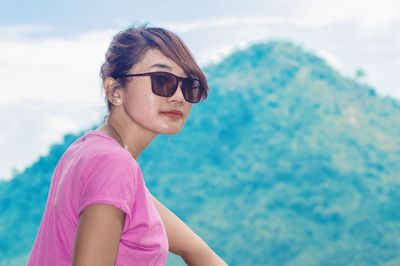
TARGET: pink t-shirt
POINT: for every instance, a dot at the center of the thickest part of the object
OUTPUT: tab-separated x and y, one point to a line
96	169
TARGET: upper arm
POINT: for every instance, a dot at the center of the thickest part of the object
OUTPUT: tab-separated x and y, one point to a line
98	235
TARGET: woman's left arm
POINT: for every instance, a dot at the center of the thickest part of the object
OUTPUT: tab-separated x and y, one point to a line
184	242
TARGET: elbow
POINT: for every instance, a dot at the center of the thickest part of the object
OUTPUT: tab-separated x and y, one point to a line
202	256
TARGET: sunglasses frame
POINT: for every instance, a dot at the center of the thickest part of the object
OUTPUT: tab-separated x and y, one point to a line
177	80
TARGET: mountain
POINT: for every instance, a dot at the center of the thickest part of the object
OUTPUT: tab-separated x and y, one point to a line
288	162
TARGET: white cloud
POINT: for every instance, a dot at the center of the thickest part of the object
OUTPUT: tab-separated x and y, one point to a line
56	126
331	59
232	22
217	52
370	15
64	70
21	32
2	139
34	126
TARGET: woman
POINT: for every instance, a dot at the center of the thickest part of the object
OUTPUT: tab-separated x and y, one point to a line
99	210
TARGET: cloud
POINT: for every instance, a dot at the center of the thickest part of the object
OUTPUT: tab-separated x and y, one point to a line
241	21
369	15
331	59
56	126
2	139
23	32
34	126
50	69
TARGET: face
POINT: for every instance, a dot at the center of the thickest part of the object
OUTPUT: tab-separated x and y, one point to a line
148	110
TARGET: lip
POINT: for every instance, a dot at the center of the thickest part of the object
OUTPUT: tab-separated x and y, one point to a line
175	113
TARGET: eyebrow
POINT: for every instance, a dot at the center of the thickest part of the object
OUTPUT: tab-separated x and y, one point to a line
161	66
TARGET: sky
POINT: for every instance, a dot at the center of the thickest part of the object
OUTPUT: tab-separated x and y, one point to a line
51	52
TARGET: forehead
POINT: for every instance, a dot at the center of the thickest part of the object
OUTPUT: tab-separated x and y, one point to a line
155	60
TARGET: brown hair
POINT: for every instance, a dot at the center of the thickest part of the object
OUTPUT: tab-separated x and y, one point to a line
128	47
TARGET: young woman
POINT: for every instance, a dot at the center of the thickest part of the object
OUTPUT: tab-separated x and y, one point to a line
99	210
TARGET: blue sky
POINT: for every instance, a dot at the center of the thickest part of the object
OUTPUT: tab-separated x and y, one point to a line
78	16
51	51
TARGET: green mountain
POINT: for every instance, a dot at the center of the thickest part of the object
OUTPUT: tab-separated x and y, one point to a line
287	163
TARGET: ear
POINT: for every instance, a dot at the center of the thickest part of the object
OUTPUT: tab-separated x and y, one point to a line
113	91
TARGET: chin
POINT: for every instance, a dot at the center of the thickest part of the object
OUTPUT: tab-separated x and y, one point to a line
169	131
164	128
169	128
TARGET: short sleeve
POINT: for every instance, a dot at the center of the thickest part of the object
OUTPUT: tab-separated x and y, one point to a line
110	179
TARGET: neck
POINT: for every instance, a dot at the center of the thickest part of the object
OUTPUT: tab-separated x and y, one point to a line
128	134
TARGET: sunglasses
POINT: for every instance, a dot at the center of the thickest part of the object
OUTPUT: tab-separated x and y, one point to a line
164	84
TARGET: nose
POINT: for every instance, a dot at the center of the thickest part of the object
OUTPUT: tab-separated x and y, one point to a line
178	95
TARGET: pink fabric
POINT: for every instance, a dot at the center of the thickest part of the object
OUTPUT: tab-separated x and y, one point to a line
96	169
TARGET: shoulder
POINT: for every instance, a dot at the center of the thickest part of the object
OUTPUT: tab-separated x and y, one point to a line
99	158
100	149
113	159
118	156
110	171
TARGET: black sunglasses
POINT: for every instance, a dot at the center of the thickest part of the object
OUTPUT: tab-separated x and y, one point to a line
165	84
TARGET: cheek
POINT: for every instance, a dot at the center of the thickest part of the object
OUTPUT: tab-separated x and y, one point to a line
141	100
188	108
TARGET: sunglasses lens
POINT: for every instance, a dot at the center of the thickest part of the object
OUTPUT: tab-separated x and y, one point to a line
192	91
163	84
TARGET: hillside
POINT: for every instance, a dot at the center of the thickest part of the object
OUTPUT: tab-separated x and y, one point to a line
287	163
